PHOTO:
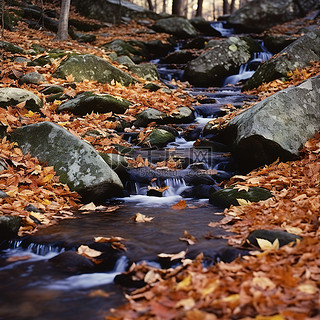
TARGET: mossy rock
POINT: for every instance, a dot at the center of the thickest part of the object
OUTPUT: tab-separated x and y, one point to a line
159	138
92	68
88	102
10	47
229	196
38	48
52	89
133	50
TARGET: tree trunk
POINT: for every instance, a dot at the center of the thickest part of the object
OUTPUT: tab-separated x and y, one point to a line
199	8
232	6
2	19
225	7
214	10
164	6
176	7
62	34
150	5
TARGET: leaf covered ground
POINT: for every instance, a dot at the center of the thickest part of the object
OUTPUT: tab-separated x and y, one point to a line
278	283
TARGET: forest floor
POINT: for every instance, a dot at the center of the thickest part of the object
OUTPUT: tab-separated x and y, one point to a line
273	284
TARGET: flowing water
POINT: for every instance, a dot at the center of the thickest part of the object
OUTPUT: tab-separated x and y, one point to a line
33	288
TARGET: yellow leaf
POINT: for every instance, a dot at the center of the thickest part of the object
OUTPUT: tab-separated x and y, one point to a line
139	217
210	287
187	304
47	178
46	202
267	245
29	114
309	287
86	251
232	298
185	283
240	187
275	317
243	202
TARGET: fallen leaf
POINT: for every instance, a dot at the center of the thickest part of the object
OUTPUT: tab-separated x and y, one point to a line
90	206
180	205
86	251
267	245
139	217
186	304
18	258
99	294
173	256
243	202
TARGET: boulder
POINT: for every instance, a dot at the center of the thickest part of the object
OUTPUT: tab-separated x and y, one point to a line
91	67
204	27
135	50
72	263
77	163
3	131
9	226
14	96
259	15
88	102
223	59
276	127
10	47
184	115
277	42
112	10
271	235
229	196
146	71
177	26
179	57
32	78
298	54
83	37
158	138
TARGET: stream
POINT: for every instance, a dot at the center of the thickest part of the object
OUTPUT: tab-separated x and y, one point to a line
33	288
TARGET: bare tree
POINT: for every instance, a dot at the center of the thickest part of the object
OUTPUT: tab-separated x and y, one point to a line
62	33
164	5
177	7
199	8
2	18
225	7
232	6
150	5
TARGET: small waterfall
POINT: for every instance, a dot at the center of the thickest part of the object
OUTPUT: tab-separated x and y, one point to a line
221	27
247	70
176	187
89	280
36	248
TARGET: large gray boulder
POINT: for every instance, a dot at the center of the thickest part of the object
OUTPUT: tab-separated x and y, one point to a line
276	127
88	102
259	15
77	163
177	26
112	10
91	67
298	54
222	59
14	96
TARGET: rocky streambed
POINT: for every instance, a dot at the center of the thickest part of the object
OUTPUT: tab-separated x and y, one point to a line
157	215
